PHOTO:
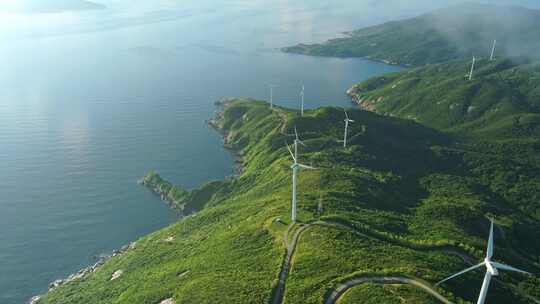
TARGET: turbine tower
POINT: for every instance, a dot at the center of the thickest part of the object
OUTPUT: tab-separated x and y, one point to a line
302	104
472	68
272	96
492	269
347	121
295	167
493	51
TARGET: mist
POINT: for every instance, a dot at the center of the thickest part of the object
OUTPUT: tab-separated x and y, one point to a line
38	18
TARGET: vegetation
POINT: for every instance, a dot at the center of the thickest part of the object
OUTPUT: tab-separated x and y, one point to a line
179	198
371	293
412	189
501	102
443	35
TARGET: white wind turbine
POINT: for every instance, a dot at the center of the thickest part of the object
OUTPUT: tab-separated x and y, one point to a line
295	166
472	68
272	96
492	269
302	103
347	121
493	51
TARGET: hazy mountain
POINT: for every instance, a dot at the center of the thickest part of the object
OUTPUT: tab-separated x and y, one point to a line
459	31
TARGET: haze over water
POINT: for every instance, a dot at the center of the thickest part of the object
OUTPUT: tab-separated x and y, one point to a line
91	101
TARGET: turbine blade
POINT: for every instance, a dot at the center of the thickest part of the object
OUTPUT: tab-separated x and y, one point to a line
489	252
509	268
302	143
295	132
461	272
307	167
350	120
290	151
347	116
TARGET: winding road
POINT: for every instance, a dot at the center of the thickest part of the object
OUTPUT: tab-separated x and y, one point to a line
279	290
390	280
333	296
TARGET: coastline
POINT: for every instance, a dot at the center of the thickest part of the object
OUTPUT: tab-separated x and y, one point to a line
178	205
237	153
83	273
303	52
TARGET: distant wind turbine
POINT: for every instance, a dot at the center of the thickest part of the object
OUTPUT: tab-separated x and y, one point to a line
472	68
493	51
302	104
272	96
347	121
492	269
295	167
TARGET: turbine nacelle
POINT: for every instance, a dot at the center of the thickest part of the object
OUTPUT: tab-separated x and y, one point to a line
297	139
492	269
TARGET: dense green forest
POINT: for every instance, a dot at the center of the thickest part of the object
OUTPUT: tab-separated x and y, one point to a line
451	33
397	201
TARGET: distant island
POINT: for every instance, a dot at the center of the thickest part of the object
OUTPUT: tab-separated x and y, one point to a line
49	6
447	34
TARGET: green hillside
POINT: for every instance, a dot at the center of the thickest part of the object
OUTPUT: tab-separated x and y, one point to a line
402	200
501	102
447	34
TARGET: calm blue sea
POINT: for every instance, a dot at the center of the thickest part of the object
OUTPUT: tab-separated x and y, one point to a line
91	101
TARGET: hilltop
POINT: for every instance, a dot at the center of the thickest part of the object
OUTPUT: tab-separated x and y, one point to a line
403	201
447	34
501	102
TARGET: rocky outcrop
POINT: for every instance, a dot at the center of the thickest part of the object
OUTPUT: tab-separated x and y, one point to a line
175	196
117	274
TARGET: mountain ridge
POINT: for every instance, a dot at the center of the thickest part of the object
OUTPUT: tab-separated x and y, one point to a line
456	32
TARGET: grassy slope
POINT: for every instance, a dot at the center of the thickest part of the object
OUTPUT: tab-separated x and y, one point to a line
501	102
399	181
447	34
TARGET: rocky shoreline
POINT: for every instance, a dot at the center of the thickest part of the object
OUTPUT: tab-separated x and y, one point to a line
173	196
162	188
364	103
238	154
83	273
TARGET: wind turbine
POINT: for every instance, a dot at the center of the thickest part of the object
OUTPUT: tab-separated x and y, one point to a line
347	121
295	167
472	68
302	105
492	269
272	96
493	51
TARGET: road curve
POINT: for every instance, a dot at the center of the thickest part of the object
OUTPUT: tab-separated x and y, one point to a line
279	289
341	289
